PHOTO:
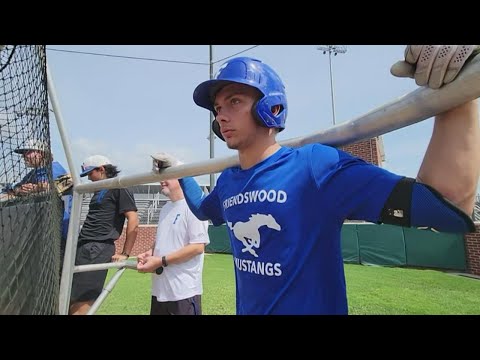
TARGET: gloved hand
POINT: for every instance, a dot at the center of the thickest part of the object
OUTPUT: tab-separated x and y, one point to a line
163	160
433	65
63	184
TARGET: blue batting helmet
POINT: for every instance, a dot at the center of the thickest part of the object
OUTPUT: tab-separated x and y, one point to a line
252	72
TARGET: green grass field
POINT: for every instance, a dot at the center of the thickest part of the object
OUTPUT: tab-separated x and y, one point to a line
371	290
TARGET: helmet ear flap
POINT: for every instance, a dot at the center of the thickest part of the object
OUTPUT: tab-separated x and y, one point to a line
266	111
256	114
216	129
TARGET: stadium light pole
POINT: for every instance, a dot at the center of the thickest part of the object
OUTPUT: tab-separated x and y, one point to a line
212	135
335	49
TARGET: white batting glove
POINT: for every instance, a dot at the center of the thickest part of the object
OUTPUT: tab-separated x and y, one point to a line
433	65
163	160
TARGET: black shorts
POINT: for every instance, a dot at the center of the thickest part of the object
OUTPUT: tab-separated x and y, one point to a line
87	286
190	306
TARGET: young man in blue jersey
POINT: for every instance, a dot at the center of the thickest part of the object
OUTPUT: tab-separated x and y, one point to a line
284	207
37	156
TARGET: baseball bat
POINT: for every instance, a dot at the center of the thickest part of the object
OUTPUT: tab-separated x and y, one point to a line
416	106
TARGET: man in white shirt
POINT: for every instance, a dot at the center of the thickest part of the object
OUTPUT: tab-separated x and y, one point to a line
176	259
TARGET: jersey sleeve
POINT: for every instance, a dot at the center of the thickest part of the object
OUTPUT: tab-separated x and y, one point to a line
57	170
126	201
356	189
204	207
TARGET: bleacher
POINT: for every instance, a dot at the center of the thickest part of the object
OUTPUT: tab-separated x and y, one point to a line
148	205
149	209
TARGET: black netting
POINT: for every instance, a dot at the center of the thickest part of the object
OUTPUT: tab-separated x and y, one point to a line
29	218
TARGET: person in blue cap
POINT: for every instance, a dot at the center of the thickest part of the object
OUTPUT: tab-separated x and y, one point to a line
37	156
284	207
108	210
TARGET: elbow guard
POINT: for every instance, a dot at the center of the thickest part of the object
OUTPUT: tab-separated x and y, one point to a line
413	204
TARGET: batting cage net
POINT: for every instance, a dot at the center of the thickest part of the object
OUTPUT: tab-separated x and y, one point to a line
30	207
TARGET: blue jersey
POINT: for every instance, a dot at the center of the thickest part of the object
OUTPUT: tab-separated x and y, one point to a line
40	174
284	219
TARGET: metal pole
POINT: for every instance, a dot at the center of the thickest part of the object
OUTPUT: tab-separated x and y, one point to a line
106	291
335	49
129	264
212	134
121	265
331	82
416	106
74	225
70	253
61	127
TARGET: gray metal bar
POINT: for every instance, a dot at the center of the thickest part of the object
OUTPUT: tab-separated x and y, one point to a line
61	127
74	225
106	291
212	134
416	106
129	264
194	169
70	252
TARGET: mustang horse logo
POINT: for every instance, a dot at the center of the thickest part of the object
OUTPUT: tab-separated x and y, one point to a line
248	232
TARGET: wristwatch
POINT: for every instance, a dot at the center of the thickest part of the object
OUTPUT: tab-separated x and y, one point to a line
164	261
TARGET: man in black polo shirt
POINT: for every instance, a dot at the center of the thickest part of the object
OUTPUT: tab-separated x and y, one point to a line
103	225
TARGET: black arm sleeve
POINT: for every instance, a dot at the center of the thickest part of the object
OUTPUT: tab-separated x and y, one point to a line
413	204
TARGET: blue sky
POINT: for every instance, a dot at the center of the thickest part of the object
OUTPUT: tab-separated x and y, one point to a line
127	109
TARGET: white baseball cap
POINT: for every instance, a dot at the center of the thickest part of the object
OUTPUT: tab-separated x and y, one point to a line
93	162
32	144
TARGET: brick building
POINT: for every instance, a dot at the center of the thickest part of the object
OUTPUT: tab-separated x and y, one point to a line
370	150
